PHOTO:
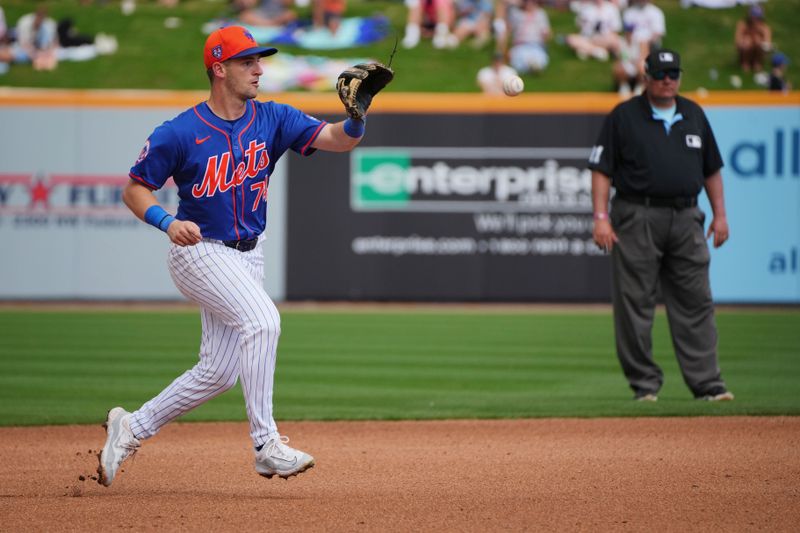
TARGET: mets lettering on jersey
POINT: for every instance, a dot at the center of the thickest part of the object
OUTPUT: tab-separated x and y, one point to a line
216	175
221	167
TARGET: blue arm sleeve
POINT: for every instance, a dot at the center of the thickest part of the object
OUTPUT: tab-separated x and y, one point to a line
157	217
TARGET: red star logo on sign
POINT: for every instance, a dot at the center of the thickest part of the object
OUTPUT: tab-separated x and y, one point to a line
40	194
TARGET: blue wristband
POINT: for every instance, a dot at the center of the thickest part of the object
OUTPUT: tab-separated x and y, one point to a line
354	127
156	216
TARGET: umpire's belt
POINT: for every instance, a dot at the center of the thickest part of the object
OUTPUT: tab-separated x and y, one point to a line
244	245
677	202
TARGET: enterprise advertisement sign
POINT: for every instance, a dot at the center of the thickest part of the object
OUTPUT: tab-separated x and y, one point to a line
468	221
469	179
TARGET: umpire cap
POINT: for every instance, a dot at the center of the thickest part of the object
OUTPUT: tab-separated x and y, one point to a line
662	59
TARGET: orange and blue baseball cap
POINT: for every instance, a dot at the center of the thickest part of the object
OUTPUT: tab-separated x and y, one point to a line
232	41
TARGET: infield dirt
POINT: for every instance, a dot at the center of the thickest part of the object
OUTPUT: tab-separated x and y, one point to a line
659	474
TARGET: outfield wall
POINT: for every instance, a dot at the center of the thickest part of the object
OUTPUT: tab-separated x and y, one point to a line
449	197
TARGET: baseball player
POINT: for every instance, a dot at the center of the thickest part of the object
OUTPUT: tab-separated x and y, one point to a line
220	154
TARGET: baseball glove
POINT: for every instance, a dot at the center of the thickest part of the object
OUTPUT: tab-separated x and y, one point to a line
359	84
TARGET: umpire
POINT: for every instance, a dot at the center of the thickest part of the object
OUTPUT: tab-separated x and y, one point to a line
658	151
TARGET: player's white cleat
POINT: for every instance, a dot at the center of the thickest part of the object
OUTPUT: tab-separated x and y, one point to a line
120	444
278	459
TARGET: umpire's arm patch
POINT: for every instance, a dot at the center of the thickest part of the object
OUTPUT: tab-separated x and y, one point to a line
694	141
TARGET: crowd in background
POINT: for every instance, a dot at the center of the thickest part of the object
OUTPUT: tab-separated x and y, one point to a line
621	32
38	39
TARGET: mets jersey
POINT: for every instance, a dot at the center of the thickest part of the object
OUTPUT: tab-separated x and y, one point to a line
222	167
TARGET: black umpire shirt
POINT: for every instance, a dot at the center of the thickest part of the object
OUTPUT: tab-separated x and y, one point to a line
641	158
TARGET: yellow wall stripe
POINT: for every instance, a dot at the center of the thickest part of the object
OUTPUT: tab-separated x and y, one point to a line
388	102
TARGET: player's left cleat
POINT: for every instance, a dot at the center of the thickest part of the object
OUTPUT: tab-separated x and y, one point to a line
120	444
277	459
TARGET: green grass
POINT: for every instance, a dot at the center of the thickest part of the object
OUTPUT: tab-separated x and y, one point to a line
152	57
58	368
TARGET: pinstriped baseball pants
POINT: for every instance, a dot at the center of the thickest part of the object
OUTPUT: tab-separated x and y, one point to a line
241	327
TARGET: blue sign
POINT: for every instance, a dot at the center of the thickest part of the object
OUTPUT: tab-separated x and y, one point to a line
761	149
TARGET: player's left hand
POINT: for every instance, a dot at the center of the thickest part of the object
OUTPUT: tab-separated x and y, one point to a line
719	228
357	86
184	233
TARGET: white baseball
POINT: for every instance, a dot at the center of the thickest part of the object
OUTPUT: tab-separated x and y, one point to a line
513	85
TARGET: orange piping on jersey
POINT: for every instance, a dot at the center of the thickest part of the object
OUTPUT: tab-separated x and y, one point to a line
230	149
239	140
313	136
142	181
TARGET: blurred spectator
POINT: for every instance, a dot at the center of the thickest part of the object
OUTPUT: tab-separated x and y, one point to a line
716	4
68	34
37	40
3	26
491	77
129	6
777	76
41	41
429	18
753	39
648	20
528	28
599	22
6	54
328	14
263	12
473	18
628	70
69	39
559	5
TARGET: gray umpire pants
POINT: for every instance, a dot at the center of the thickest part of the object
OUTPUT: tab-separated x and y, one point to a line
667	246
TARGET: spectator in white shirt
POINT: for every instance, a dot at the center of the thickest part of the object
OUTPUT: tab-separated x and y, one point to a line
648	20
37	40
628	70
599	22
528	29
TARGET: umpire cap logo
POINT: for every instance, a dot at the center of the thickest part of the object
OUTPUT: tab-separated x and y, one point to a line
666	57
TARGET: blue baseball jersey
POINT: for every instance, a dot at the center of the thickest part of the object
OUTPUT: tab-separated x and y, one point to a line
222	167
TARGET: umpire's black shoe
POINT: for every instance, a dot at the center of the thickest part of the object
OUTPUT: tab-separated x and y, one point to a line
646	397
716	394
